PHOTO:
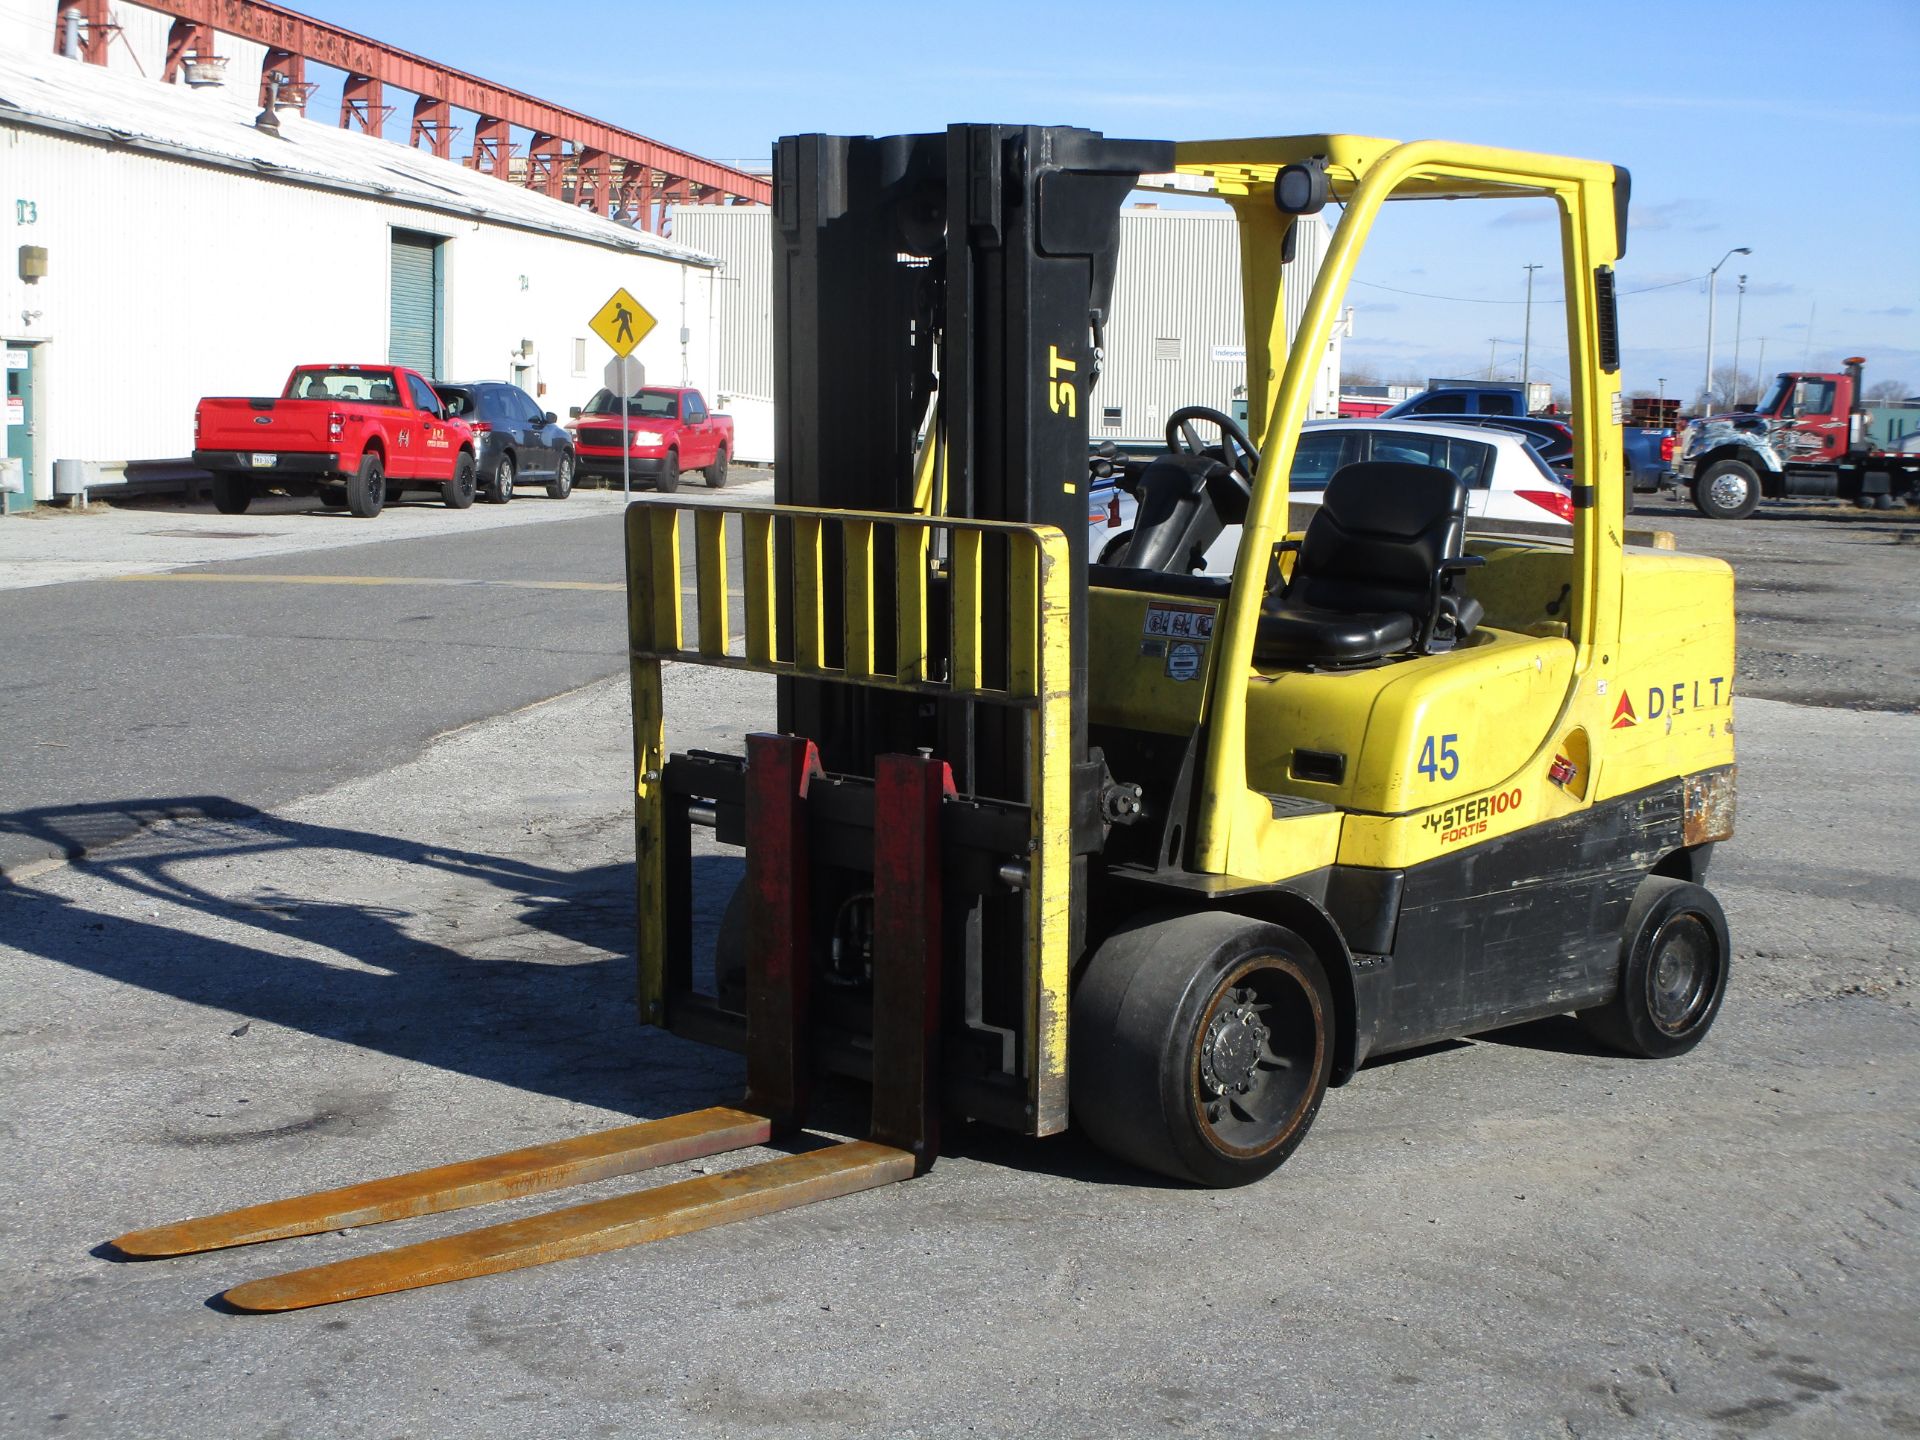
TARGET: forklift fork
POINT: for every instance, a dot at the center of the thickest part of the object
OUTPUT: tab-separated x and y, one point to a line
909	791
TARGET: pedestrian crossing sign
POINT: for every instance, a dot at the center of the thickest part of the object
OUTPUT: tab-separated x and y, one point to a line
623	322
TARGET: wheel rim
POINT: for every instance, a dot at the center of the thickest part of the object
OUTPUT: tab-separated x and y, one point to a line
1728	490
1681	974
565	477
503	479
1258	1058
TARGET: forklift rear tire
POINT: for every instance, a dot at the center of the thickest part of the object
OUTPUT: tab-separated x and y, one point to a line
1202	1046
232	494
1673	972
367	490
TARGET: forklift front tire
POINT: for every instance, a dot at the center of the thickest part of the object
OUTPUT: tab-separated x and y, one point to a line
1673	972
1202	1046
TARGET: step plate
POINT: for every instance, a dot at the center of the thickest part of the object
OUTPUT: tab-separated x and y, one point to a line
590	1229
532	1171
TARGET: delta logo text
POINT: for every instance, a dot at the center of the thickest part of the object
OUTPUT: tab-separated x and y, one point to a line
1671	701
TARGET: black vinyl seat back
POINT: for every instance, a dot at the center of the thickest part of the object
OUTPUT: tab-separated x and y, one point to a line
1373	575
1382	530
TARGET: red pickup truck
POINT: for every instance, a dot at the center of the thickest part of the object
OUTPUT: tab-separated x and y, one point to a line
669	430
355	435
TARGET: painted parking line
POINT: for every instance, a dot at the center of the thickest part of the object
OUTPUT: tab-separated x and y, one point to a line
617	585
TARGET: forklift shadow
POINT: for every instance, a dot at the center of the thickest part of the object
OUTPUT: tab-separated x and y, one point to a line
1556	1035
534	993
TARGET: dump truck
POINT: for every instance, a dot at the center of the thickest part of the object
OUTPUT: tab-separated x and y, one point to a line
1035	842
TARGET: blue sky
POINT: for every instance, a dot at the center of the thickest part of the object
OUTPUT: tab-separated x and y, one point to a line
1783	127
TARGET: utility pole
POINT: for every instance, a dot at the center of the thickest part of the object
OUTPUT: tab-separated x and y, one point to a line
1526	342
1739	306
1760	367
1663	394
1492	340
1706	399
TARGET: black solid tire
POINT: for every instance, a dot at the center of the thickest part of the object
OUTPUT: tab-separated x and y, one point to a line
500	483
458	492
716	473
668	480
334	497
1674	955
367	489
1149	1017
1717	501
232	494
561	485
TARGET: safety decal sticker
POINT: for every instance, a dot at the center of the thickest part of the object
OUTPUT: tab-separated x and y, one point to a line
1183	661
1180	622
1623	716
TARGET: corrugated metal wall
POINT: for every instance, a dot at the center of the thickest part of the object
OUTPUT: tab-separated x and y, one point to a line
741	236
1175	338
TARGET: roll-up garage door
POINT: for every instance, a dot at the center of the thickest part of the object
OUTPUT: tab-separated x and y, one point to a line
413	332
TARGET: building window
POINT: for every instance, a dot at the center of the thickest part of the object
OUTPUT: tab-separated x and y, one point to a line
579	354
1110	417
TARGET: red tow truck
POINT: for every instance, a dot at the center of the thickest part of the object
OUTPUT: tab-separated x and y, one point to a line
355	435
669	430
1813	435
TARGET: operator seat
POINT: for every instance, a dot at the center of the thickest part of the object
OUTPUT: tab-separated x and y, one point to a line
1373	575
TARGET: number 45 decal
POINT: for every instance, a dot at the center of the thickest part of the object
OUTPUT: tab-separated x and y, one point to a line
1446	766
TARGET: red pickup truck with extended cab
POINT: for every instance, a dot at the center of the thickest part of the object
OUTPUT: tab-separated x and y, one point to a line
669	430
355	435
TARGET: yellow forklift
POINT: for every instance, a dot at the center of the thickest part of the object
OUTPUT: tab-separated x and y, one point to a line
1161	853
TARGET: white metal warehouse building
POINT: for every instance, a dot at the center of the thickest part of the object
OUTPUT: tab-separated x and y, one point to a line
190	252
1176	337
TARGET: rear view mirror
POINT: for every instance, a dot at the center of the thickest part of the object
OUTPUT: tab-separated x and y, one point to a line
552	419
573	412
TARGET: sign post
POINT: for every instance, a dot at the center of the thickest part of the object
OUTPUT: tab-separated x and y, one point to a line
623	376
623	322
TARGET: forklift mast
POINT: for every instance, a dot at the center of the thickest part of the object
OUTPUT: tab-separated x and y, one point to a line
976	265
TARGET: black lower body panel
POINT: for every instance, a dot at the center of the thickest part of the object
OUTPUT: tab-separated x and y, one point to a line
1517	928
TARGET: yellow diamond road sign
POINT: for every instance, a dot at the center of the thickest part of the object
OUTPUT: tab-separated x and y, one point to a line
623	322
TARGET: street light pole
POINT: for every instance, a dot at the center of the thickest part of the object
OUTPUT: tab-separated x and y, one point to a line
1706	400
1526	343
1739	306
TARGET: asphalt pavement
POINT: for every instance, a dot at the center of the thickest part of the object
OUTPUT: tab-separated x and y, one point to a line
225	688
428	957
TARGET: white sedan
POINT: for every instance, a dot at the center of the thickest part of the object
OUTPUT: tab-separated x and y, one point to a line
1506	479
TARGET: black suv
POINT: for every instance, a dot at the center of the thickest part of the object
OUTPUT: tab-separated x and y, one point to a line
513	437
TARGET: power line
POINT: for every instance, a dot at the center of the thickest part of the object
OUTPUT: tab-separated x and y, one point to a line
1478	300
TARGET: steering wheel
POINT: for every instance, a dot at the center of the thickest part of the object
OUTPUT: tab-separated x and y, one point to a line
1242	459
1235	450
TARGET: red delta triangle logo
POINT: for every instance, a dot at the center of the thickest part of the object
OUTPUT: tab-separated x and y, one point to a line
1623	716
